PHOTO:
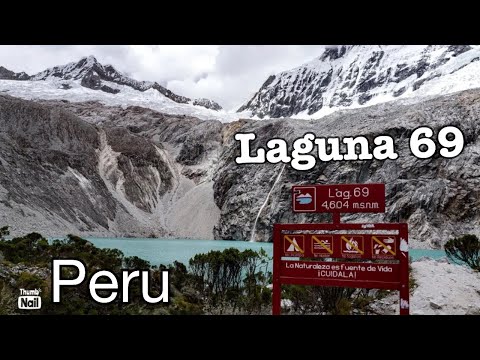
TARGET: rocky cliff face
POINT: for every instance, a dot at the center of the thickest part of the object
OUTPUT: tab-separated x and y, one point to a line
353	76
59	171
438	197
92	169
206	103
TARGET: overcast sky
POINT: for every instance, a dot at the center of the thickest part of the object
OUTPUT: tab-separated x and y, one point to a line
229	74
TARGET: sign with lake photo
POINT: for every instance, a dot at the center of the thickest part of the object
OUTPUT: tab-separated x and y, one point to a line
345	198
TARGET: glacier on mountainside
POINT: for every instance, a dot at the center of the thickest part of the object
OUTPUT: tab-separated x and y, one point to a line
53	89
347	77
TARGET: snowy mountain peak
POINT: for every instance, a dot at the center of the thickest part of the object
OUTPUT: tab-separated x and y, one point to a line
90	58
207	103
91	74
73	70
6	74
89	80
335	52
351	76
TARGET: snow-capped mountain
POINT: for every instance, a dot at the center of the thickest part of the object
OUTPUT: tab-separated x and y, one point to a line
356	76
84	167
207	103
10	75
95	76
88	80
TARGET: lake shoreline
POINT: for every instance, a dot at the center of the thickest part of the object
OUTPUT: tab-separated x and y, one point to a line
166	251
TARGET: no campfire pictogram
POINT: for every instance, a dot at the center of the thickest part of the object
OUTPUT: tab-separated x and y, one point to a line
352	246
294	245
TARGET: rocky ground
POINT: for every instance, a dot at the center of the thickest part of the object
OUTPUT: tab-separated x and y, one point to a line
441	289
62	174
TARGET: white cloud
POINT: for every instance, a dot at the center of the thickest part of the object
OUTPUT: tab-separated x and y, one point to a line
227	74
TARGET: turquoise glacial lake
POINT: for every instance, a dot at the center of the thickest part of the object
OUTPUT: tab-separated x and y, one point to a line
166	251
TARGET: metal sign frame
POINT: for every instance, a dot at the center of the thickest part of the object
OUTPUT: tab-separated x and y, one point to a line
302	272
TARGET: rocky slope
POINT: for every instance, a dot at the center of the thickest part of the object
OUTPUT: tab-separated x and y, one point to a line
361	75
109	170
438	197
6	74
60	174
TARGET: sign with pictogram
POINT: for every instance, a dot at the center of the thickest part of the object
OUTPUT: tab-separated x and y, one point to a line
352	246
344	198
305	199
294	245
384	246
315	242
322	245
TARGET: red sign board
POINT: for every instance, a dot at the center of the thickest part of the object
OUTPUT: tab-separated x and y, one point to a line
373	242
349	198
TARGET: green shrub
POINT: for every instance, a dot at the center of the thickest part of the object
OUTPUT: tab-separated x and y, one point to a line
4	232
34	251
325	299
30	281
231	280
464	250
134	262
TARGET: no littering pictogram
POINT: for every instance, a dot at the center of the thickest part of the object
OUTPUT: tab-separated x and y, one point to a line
384	246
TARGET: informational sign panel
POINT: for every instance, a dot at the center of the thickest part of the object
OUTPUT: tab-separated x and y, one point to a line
345	198
300	251
370	245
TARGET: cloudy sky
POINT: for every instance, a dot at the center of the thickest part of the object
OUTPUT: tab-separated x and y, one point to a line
229	74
